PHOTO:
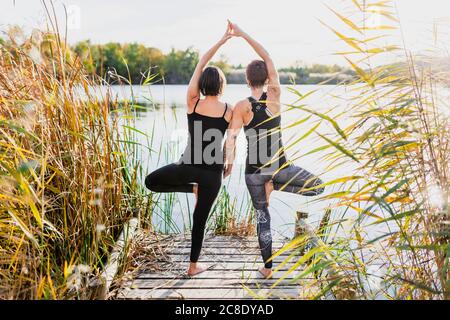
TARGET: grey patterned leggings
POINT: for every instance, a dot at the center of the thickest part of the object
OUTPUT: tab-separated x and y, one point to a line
290	179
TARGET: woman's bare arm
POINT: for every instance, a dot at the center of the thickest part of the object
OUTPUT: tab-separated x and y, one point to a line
274	88
236	124
193	92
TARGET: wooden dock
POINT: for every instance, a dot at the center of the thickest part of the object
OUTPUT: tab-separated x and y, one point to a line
233	273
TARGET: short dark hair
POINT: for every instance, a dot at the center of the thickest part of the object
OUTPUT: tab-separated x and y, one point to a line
257	73
212	81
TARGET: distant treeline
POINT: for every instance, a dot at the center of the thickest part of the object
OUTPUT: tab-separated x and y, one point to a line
135	61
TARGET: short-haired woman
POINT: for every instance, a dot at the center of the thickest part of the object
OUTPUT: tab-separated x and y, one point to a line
267	167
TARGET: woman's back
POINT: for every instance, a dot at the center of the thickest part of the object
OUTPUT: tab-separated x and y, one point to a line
207	124
211	107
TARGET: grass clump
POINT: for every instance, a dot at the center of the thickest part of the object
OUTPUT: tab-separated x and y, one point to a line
389	235
68	176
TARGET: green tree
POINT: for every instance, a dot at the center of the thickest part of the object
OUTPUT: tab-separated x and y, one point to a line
111	60
223	64
84	49
179	66
176	67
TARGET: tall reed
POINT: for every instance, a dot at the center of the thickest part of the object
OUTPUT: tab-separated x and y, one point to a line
68	171
389	233
230	218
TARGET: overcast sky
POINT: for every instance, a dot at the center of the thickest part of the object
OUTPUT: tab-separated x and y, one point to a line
290	29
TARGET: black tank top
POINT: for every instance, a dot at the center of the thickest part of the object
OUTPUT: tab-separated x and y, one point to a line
204	148
265	151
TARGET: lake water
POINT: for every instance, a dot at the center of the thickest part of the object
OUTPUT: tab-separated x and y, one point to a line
167	126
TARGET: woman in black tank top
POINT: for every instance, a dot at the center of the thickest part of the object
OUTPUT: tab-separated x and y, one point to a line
265	151
206	152
200	167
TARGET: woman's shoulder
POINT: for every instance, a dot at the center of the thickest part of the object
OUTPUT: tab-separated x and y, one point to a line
229	112
192	104
243	106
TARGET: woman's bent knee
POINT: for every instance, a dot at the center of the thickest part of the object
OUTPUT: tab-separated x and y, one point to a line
318	182
260	204
150	182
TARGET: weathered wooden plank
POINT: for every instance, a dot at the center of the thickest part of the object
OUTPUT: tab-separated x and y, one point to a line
230	258
225	265
209	283
230	238
223	244
215	274
107	276
211	258
233	272
208	293
179	238
221	251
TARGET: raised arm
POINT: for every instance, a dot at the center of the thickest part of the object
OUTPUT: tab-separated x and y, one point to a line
193	92
235	126
274	89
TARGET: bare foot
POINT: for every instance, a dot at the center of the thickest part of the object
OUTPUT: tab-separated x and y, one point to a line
267	273
196	268
269	188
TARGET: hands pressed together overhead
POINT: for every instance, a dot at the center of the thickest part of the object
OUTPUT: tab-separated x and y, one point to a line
233	30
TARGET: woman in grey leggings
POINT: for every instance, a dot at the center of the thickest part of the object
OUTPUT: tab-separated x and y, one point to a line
267	168
290	179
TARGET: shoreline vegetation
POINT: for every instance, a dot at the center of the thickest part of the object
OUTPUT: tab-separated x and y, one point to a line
68	173
71	170
133	60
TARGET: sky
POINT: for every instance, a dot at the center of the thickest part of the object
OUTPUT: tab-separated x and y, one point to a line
291	30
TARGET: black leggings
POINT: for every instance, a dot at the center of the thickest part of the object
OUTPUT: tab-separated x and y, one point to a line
181	178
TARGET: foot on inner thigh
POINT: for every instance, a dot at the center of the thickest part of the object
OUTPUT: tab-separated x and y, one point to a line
267	273
268	186
196	268
195	191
